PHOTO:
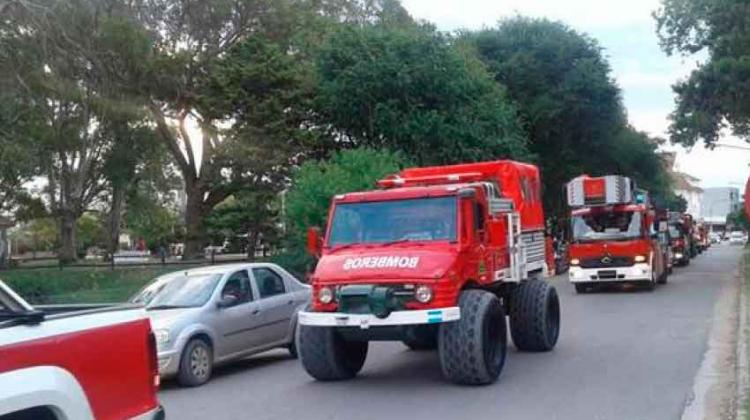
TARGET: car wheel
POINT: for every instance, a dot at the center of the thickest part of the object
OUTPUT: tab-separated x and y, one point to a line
534	316
327	356
196	363
472	350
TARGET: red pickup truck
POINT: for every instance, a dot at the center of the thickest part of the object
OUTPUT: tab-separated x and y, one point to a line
76	362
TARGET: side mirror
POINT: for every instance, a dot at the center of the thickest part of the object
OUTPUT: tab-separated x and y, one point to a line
227	301
314	242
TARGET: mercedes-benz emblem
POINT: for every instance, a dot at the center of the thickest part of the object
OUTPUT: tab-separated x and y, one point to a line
606	260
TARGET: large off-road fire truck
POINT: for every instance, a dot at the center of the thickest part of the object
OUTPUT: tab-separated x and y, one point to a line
614	234
436	258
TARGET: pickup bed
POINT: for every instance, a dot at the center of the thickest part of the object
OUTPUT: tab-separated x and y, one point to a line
76	362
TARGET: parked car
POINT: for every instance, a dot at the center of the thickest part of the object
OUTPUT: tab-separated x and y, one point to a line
78	362
211	315
737	238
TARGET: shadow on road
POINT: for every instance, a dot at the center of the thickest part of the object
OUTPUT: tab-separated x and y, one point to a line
243	366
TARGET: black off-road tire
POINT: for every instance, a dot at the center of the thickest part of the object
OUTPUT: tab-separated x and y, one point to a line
663	278
473	349
534	316
326	356
194	370
422	338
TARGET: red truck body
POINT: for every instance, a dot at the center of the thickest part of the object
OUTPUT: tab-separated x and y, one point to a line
92	363
397	263
443	264
616	239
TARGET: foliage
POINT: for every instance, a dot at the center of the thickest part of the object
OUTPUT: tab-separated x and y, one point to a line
715	95
738	219
252	214
408	89
567	99
91	232
39	234
150	216
315	184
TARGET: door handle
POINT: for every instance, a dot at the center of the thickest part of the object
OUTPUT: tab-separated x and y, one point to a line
290	302
255	312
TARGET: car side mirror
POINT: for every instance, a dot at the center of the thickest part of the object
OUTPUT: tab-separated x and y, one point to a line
314	242
227	301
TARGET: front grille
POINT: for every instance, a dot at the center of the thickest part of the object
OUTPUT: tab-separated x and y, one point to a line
605	262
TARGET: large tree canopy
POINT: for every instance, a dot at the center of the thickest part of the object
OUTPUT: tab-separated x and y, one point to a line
406	88
567	99
717	94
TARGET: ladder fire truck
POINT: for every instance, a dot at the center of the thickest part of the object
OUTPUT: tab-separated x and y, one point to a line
615	234
437	257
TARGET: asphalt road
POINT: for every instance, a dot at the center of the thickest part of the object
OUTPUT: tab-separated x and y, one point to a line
621	355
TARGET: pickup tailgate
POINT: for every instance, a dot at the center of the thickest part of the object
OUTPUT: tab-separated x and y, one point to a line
108	351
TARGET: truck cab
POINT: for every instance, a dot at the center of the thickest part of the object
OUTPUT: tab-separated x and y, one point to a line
411	260
615	239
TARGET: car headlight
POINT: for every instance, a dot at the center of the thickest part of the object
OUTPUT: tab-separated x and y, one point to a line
423	294
162	337
678	255
640	258
575	261
325	295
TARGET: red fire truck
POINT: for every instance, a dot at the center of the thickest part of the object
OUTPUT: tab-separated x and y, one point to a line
436	258
615	235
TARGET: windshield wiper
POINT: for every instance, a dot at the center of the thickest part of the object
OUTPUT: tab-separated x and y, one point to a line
158	307
26	317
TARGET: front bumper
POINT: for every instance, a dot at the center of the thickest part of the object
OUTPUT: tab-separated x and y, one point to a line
365	321
169	362
636	272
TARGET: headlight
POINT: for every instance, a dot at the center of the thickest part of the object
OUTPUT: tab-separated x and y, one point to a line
423	294
678	255
162	337
640	258
325	295
575	261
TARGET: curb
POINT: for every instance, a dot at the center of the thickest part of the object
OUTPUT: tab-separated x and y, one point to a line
743	371
714	391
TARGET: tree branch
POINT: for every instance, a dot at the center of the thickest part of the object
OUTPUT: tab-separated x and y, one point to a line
170	140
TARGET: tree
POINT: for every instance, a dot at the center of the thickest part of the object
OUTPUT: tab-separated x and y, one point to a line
716	94
68	57
316	182
407	89
562	86
253	214
738	220
135	157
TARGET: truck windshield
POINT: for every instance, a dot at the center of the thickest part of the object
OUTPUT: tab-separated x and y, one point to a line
178	291
422	219
607	226
674	232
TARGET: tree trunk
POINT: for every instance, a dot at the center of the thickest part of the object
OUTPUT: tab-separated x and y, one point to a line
252	243
195	212
67	252
115	216
4	249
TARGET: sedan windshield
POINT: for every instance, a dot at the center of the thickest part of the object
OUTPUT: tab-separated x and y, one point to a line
607	226
181	291
422	219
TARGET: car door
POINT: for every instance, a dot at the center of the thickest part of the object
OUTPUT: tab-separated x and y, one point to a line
237	323
277	305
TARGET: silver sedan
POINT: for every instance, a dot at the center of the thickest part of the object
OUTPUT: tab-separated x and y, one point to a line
205	316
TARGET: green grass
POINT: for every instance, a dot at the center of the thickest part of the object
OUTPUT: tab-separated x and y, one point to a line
81	285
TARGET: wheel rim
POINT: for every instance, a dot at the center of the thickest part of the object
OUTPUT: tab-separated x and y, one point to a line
494	335
199	362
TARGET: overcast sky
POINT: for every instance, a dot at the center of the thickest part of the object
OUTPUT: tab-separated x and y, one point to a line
626	31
